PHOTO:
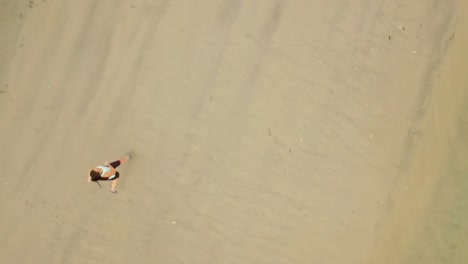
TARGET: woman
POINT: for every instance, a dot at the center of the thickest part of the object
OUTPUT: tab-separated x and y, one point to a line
108	172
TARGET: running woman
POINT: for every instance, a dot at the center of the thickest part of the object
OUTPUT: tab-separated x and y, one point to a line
107	172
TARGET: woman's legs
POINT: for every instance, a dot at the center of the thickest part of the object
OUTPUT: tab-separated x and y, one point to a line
119	162
114	185
115	164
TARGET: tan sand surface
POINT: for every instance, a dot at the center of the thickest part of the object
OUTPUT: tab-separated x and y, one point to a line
427	224
267	131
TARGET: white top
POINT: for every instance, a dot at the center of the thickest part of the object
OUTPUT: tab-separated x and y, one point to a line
105	170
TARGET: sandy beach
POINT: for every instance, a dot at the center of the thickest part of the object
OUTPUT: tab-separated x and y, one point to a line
267	131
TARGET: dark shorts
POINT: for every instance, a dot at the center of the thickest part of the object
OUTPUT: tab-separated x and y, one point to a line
115	164
117	175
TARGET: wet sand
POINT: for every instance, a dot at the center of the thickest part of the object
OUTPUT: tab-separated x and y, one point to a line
426	223
262	131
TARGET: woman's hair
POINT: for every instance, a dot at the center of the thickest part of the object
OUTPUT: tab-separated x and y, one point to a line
94	175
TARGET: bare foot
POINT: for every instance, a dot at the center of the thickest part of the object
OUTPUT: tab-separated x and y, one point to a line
113	191
129	154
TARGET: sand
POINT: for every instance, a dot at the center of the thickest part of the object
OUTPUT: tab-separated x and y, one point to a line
262	131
